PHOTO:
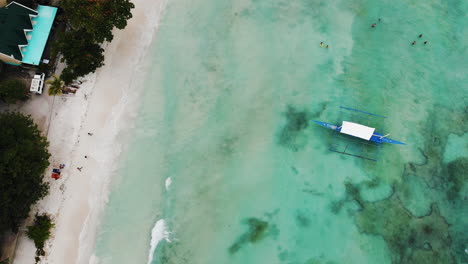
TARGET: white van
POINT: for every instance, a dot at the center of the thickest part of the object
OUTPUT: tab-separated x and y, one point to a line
37	83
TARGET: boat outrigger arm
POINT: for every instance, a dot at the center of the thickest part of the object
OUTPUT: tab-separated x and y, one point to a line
360	131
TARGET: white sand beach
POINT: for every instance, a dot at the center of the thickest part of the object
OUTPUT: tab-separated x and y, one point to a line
105	99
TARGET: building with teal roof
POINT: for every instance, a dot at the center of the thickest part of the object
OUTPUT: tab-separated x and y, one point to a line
24	33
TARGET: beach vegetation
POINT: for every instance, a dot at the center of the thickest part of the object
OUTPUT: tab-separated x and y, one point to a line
13	90
23	160
98	17
56	86
39	232
81	54
90	24
45	68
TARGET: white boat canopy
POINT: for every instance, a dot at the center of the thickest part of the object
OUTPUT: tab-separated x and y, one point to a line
357	130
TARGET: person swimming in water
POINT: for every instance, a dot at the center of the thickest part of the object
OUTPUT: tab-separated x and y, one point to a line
420	35
373	25
321	44
414	42
425	42
326	47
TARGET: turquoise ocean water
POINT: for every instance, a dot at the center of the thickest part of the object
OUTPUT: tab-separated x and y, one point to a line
226	114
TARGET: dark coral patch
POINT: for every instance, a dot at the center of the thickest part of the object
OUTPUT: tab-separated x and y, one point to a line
291	135
257	231
446	183
411	239
457	176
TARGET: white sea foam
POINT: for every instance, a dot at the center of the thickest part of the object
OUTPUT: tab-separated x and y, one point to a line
108	152
94	260
168	183
158	233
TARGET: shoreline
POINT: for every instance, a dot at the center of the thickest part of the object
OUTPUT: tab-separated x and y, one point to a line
100	106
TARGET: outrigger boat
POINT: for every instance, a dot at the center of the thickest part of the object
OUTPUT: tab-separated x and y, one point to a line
360	131
354	139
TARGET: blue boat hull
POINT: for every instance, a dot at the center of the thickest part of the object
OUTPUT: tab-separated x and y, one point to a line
376	137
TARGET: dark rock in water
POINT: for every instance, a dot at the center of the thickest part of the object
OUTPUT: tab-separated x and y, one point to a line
353	199
257	229
353	193
302	220
294	169
457	176
375	182
256	232
335	206
427	246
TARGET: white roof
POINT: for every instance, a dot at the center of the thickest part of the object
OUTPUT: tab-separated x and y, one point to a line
357	130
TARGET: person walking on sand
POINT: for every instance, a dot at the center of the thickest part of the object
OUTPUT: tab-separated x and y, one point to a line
90	134
79	168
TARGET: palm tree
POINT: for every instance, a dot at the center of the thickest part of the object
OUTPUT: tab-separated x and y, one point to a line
56	86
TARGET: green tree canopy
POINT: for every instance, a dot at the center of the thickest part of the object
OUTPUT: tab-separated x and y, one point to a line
12	91
56	86
39	233
91	23
81	54
98	17
23	160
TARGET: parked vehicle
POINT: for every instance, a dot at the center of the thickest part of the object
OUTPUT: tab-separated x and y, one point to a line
37	83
